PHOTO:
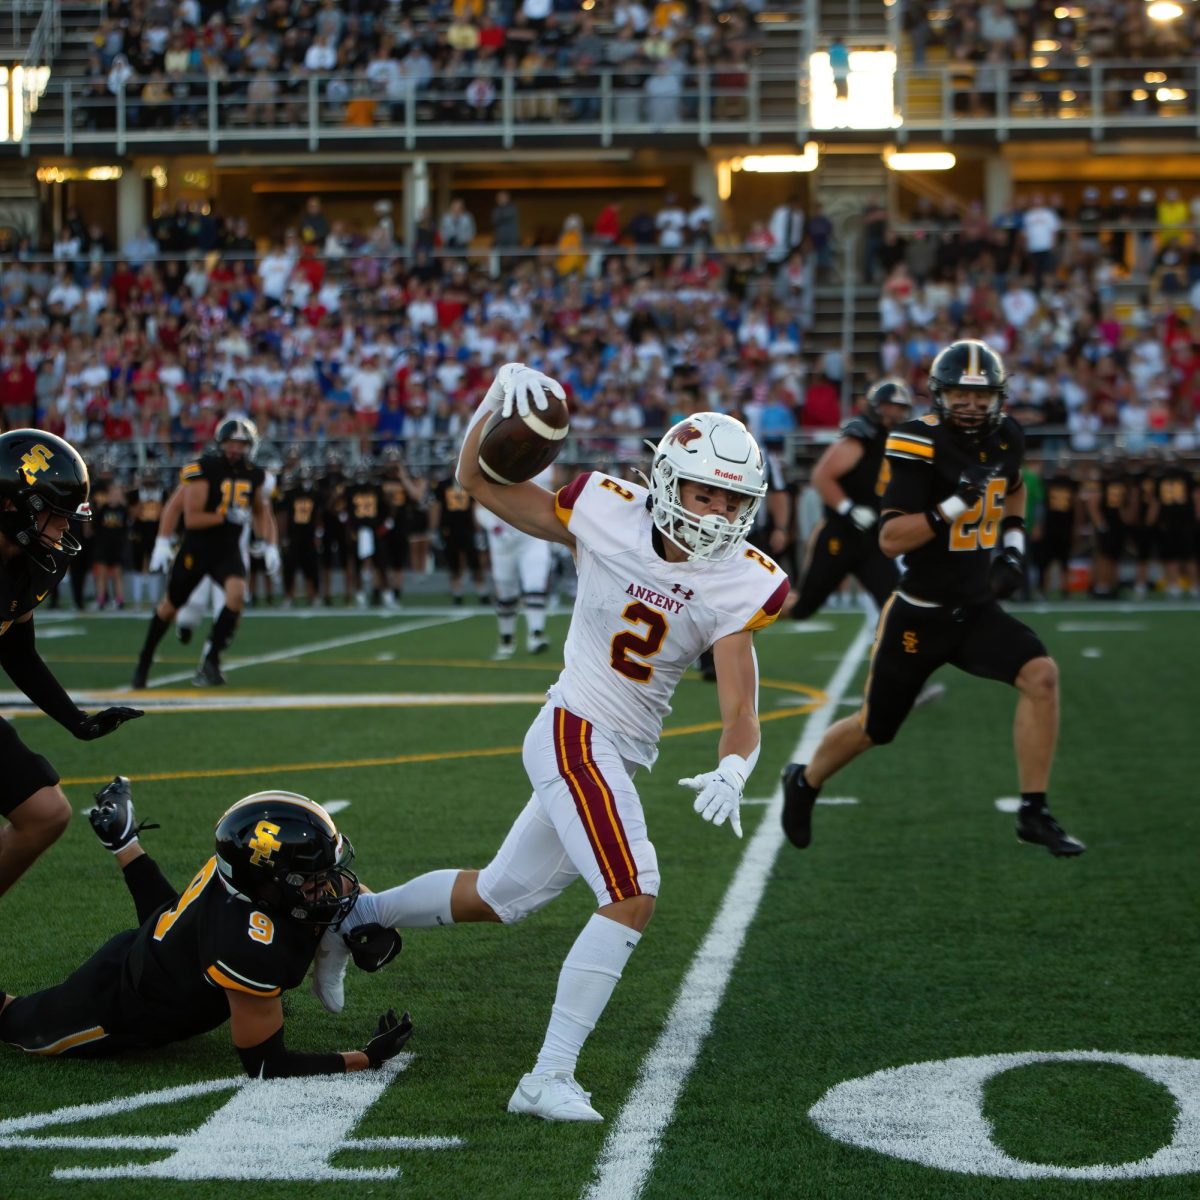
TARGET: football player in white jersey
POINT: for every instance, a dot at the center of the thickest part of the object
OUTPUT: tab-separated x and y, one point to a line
520	578
663	574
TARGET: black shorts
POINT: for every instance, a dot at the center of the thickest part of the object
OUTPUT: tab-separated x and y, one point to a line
1175	542
838	549
190	567
336	545
110	548
462	551
301	558
144	534
1053	548
1111	541
25	772
395	549
1144	539
912	641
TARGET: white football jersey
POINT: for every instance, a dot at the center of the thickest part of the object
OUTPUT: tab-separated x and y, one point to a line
640	621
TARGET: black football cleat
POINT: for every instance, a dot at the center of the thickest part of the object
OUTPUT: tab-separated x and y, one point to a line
208	675
799	796
1039	828
138	682
183	633
113	818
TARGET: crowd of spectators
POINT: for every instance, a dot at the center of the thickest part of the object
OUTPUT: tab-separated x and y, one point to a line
1096	311
333	333
370	56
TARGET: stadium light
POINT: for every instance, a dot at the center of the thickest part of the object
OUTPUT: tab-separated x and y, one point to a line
1164	10
919	160
779	164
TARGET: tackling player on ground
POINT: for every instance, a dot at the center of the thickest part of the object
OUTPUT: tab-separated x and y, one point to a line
43	484
663	574
956	495
243	932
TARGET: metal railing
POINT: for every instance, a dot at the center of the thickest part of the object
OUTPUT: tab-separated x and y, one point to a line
23	17
743	103
1060	96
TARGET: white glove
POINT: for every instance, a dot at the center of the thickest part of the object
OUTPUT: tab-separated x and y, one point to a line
863	516
272	563
519	387
719	792
235	514
160	556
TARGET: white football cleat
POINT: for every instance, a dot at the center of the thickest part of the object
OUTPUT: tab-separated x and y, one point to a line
553	1096
504	651
536	645
329	971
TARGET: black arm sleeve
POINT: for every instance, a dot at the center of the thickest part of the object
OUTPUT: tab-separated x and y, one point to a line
273	1060
24	666
910	489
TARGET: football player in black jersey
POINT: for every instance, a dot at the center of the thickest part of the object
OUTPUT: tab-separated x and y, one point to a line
1060	509
223	492
954	507
43	485
302	531
1178	502
1107	501
851	477
244	931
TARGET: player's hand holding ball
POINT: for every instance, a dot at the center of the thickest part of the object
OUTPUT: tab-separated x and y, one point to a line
529	421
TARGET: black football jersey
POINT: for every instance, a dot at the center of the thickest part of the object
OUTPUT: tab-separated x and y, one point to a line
926	459
866	481
1176	487
188	954
398	500
332	489
23	586
365	505
1061	494
1143	488
148	503
111	519
230	485
1114	493
302	510
456	507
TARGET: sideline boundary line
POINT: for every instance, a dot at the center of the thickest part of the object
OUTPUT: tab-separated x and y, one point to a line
316	647
628	1154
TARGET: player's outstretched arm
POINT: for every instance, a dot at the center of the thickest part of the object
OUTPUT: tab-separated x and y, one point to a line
256	1023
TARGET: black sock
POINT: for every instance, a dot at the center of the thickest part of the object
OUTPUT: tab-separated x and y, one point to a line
222	632
154	635
147	885
1033	801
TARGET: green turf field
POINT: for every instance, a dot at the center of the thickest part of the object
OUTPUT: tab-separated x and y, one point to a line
916	929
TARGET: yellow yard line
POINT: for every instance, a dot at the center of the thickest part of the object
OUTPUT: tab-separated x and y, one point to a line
398	760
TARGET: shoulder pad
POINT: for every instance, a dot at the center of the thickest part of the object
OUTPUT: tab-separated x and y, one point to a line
193	470
861	429
911	440
927	419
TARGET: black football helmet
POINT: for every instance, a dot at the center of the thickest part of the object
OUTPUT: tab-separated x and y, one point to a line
887	391
41	473
283	851
972	366
237	429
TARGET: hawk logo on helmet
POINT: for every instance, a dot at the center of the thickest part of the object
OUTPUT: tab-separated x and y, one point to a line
36	459
264	843
683	434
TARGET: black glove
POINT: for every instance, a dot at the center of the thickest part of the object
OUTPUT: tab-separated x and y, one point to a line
390	1037
1007	573
104	722
373	945
973	481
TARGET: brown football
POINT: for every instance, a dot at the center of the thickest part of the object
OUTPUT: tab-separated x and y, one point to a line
513	449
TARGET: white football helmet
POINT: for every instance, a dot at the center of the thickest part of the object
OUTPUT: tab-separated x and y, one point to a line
713	449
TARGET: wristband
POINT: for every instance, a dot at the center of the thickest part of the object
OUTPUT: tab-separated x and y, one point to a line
1014	539
952	507
845	506
936	521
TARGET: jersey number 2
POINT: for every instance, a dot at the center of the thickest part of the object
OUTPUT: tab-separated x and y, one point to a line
624	644
976	528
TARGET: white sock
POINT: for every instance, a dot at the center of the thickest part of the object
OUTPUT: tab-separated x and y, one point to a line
421	903
589	974
535	615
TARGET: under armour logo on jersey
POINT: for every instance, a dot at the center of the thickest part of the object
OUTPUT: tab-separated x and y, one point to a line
680	590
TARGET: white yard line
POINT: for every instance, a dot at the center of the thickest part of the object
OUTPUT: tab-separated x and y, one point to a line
316	647
628	1154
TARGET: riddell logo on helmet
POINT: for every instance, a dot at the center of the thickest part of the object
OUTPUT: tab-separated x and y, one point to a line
974	380
728	475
